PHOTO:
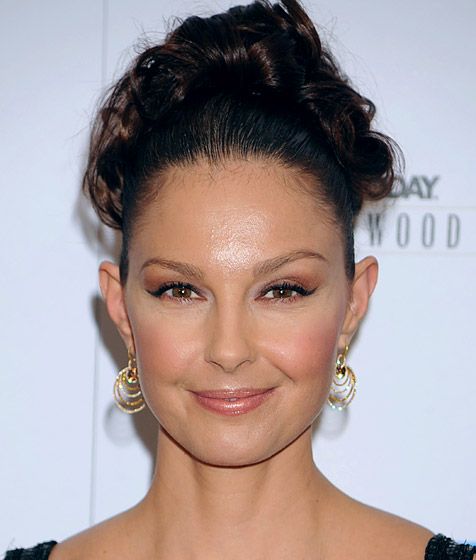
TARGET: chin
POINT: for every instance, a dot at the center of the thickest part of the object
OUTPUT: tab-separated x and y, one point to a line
234	458
227	449
236	448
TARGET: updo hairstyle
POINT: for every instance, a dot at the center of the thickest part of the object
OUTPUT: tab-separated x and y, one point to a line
252	81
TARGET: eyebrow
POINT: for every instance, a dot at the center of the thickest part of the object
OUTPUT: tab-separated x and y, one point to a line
260	269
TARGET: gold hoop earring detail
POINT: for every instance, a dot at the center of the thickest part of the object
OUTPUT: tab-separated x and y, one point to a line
127	391
344	384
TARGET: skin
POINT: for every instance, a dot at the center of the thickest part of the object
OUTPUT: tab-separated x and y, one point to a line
241	486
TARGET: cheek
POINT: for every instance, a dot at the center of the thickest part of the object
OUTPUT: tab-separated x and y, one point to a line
307	352
163	348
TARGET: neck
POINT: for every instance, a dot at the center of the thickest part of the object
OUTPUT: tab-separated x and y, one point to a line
194	506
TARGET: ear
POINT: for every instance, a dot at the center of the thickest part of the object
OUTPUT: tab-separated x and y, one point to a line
365	280
113	295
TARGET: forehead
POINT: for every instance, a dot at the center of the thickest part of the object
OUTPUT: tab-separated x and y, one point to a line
237	209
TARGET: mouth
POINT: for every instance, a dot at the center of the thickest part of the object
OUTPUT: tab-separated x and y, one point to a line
232	402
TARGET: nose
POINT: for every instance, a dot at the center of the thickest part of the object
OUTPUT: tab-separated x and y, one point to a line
229	338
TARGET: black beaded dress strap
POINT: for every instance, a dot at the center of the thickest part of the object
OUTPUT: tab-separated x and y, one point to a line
440	547
39	552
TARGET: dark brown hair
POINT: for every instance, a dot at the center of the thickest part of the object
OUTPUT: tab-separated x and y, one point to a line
252	81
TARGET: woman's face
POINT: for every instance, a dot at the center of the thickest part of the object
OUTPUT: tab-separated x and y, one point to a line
236	358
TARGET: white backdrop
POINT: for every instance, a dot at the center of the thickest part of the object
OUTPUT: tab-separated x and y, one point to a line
407	444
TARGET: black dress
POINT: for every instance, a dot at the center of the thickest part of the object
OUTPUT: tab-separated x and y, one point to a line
439	547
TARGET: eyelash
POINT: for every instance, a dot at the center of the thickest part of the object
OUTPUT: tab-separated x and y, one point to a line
282	286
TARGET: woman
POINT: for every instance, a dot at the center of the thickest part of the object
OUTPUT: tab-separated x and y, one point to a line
235	158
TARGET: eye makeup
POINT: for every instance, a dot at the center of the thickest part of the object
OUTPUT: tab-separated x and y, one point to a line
183	288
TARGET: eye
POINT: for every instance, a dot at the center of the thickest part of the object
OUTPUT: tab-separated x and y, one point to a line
180	291
284	290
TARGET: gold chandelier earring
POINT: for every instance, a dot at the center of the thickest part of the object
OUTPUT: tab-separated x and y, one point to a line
344	384
127	391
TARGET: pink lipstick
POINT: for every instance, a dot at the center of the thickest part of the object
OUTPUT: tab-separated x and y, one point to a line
231	402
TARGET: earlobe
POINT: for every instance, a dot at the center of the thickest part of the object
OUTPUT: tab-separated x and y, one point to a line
113	294
363	285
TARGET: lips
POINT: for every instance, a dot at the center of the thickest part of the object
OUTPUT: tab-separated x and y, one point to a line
230	402
231	393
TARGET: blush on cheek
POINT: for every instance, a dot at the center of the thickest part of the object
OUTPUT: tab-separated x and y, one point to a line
163	353
307	353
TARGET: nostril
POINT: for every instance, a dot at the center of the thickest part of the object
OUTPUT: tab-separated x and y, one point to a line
229	345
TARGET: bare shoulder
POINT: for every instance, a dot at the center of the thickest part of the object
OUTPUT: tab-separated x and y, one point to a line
103	540
385	535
